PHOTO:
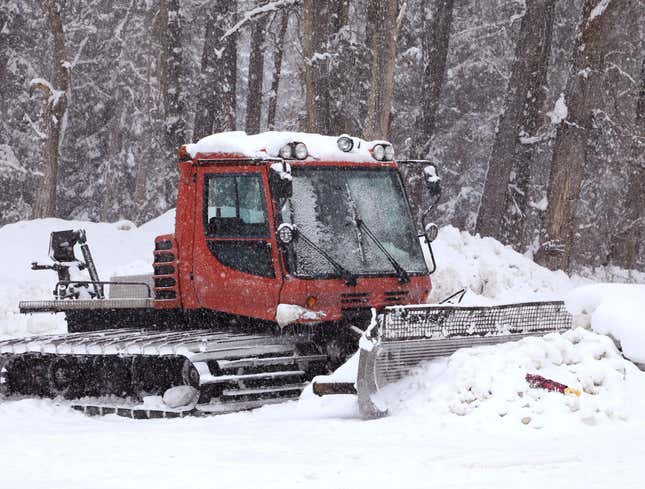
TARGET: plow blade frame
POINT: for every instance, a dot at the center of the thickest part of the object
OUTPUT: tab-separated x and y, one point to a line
409	335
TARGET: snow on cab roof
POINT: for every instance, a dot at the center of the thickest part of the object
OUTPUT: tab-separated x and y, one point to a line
268	144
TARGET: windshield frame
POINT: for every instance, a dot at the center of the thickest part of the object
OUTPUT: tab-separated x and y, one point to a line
390	168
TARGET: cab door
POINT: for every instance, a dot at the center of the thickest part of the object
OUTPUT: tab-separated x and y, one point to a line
235	265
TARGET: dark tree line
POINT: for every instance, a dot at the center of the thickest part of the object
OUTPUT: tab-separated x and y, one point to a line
534	110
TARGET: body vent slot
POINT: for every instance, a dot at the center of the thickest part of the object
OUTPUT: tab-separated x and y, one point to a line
165	282
355	298
164	257
395	296
164	270
163	245
165	294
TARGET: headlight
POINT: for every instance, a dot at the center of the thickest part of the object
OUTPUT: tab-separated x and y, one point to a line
379	152
389	152
285	233
345	143
286	152
300	151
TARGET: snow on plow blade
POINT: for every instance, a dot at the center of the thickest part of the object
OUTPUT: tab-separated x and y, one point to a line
408	335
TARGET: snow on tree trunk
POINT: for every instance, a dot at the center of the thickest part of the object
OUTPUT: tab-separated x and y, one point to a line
315	34
583	93
256	72
628	247
384	41
277	70
435	42
504	202
217	93
54	111
172	55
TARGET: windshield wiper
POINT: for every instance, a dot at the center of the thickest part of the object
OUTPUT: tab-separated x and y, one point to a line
403	275
346	275
360	225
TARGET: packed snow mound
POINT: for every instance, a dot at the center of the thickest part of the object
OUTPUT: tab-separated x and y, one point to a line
616	310
486	386
491	271
268	144
119	248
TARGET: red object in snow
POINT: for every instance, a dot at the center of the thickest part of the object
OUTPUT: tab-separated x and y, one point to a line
539	382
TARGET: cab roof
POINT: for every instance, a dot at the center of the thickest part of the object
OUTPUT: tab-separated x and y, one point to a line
268	144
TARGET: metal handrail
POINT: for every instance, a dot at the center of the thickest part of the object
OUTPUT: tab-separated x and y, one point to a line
103	282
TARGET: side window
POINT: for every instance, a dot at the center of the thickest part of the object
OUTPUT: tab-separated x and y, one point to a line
234	207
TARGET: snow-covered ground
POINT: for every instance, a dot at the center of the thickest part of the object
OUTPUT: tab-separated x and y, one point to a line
469	420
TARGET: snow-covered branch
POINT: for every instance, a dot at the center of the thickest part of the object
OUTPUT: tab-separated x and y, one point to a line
257	12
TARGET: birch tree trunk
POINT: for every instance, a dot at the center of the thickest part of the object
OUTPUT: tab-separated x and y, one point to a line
504	202
54	111
584	88
217	96
379	104
435	41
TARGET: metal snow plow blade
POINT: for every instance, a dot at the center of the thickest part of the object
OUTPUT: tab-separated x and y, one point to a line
408	335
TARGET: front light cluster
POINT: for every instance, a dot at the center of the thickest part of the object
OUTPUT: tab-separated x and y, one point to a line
294	150
383	152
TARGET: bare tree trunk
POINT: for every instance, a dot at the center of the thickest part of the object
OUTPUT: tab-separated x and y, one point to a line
277	69
316	30
436	38
504	202
256	72
172	54
321	22
218	92
627	247
54	112
141	178
570	150
384	41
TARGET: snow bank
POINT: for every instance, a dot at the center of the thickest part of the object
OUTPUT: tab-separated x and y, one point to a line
494	273
268	144
486	387
118	248
616	310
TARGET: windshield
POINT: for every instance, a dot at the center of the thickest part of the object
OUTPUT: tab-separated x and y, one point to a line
326	206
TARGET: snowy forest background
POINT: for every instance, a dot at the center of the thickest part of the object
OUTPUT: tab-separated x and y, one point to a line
534	110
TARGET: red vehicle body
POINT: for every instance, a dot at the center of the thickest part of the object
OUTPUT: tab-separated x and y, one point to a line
189	277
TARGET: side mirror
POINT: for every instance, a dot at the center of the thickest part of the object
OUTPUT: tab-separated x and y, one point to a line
280	180
430	232
432	181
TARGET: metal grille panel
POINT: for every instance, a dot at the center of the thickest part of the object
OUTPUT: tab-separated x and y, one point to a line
441	321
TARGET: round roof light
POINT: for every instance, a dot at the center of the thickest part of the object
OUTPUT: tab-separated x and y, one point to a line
345	143
286	152
285	233
300	151
379	152
389	152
